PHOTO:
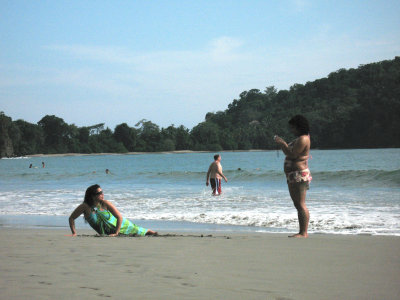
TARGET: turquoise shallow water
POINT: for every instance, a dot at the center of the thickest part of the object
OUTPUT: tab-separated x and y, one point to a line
352	192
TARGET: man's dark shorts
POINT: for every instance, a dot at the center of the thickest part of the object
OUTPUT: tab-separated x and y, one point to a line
216	186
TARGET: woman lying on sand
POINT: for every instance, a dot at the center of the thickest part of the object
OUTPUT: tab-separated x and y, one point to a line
103	216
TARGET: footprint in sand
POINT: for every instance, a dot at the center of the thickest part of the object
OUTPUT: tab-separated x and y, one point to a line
188	284
90	288
103	295
172	277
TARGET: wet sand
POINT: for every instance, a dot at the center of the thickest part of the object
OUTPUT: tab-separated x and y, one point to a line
46	264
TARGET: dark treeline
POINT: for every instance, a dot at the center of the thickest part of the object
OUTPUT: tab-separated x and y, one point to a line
355	108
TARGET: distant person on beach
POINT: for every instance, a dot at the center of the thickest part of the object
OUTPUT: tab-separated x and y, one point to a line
30	166
296	168
214	175
104	217
43	164
108	171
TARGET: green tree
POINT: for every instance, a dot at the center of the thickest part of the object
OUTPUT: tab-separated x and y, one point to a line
6	143
126	135
104	142
149	136
31	138
206	137
182	138
56	134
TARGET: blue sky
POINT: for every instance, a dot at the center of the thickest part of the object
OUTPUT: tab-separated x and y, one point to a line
171	62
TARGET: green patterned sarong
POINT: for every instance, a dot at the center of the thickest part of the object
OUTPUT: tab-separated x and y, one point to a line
105	223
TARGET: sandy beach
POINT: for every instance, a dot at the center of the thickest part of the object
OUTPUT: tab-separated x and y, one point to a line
47	264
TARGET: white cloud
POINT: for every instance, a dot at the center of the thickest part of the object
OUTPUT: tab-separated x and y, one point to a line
178	72
98	53
224	49
300	5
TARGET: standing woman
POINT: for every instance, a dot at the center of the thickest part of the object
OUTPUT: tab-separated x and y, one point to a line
296	168
104	217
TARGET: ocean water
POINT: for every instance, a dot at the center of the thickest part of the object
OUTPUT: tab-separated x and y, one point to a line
352	192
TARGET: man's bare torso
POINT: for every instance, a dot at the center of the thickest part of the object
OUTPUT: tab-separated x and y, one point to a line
214	168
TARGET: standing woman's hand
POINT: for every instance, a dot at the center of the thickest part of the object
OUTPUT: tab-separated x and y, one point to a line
279	140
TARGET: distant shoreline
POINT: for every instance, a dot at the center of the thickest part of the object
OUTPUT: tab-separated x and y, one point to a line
140	153
171	152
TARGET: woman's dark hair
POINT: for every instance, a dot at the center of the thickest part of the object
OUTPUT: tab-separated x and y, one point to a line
90	192
301	124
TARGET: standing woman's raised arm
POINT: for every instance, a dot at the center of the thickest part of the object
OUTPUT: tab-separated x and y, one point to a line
298	146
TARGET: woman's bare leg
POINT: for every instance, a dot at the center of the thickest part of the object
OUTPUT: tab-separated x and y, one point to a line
298	193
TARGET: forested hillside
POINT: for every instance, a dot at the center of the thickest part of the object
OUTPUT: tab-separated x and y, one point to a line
349	109
355	108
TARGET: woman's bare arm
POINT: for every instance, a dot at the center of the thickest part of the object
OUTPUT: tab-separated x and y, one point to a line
298	146
75	214
116	214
